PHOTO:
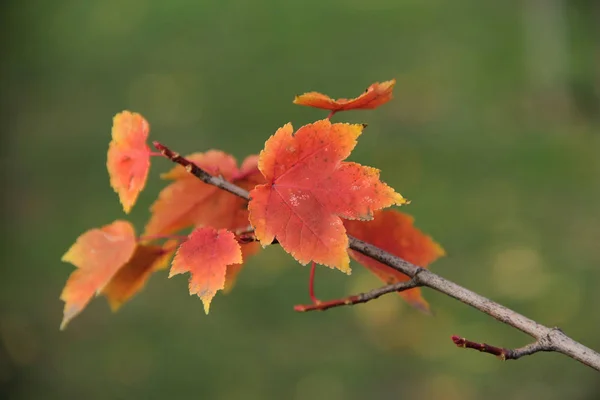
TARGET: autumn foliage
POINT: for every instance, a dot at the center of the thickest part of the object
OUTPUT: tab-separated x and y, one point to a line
310	189
394	232
303	196
375	95
128	159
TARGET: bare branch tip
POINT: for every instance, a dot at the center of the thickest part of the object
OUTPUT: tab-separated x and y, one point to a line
157	145
300	308
460	342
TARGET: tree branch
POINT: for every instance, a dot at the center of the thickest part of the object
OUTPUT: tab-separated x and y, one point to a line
553	339
502	353
200	173
357	299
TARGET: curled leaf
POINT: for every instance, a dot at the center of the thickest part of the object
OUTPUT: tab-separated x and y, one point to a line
309	189
376	95
128	158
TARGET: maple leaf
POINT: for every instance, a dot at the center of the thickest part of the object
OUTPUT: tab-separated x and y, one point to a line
309	189
98	254
190	202
110	261
132	276
377	94
394	232
128	158
206	255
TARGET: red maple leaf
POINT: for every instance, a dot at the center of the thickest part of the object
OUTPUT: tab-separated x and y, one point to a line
309	189
128	158
395	233
206	255
375	95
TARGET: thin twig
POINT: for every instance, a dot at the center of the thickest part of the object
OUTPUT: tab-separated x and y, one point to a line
555	339
200	173
503	353
359	298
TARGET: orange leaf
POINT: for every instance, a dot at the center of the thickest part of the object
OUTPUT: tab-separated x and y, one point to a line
190	202
395	233
128	159
132	277
377	94
98	254
309	188
206	255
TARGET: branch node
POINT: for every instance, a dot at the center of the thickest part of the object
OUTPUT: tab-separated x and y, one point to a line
416	278
549	341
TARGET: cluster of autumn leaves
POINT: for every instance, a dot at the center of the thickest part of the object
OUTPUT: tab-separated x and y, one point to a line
302	194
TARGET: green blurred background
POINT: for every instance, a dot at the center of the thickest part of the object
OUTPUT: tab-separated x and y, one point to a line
493	134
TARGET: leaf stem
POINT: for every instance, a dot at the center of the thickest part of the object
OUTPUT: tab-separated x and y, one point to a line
311	283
